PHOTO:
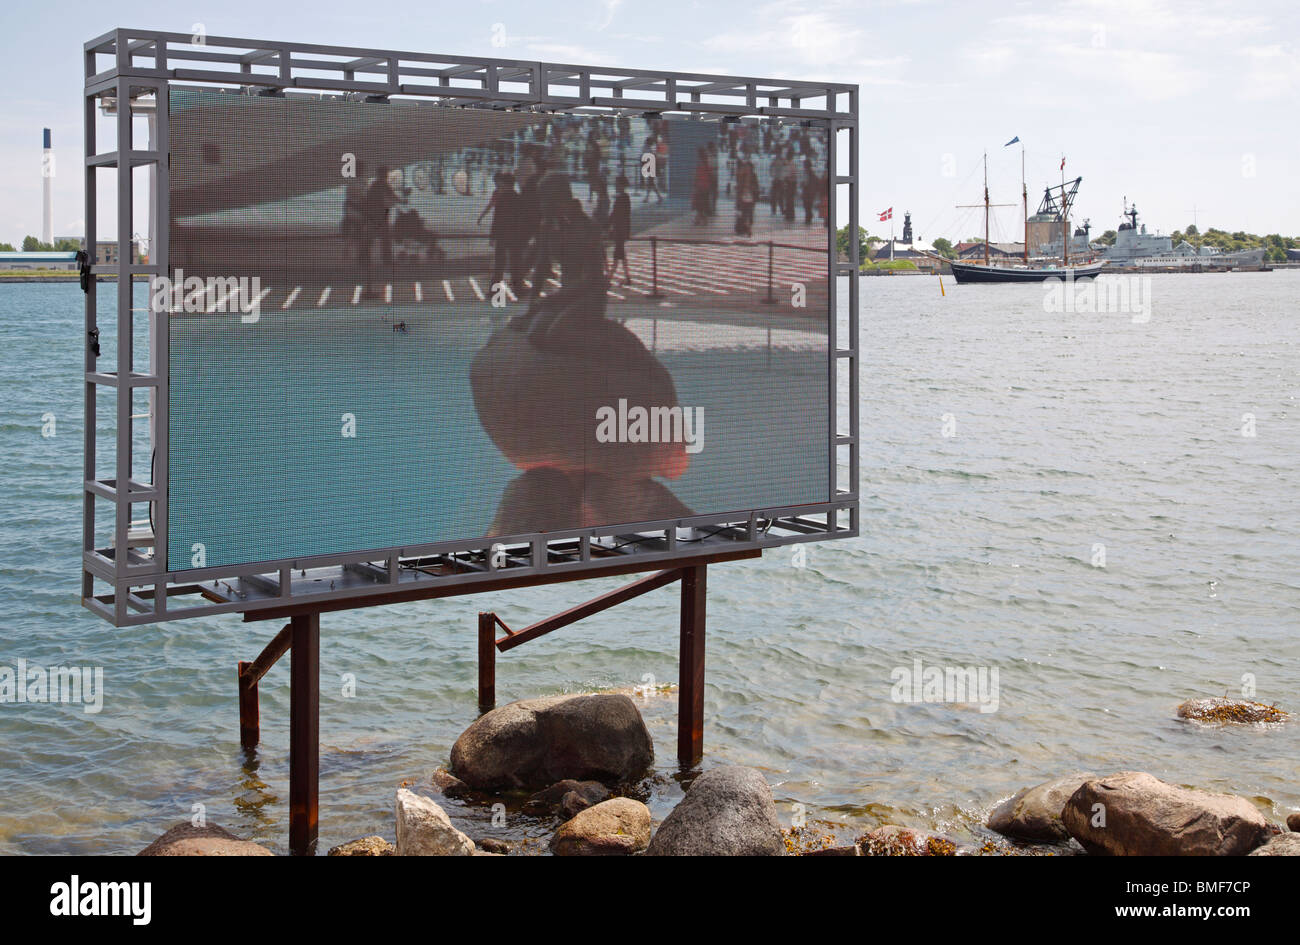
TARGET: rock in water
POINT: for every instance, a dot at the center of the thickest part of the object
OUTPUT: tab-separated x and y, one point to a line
1145	816
617	827
188	840
1284	844
1293	822
1035	812
1241	711
423	829
557	799
536	742
366	846
727	812
449	784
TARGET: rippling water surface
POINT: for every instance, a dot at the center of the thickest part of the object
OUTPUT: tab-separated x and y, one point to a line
1071	431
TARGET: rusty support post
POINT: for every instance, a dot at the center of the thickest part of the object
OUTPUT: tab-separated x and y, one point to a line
487	661
304	733
690	680
250	732
250	674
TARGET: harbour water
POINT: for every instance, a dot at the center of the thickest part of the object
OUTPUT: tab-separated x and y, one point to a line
1070	498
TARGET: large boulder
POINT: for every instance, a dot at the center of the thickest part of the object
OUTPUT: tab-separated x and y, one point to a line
1144	816
189	840
1284	844
537	742
727	812
1293	822
424	829
1035	812
617	827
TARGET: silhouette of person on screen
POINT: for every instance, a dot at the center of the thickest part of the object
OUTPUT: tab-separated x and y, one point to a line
505	230
379	200
568	236
620	230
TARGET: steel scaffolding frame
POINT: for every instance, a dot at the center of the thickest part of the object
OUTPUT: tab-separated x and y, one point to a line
143	65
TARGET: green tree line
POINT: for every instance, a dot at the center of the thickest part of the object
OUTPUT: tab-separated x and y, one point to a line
1274	244
33	245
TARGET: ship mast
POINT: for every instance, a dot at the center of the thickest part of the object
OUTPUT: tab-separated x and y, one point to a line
986	205
1024	193
986	208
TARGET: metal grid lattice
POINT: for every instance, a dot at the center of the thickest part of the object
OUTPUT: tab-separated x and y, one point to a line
141	66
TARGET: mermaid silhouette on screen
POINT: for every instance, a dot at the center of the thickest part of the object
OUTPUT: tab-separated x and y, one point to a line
542	382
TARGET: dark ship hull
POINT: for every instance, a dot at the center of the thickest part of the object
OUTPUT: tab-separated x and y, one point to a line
978	272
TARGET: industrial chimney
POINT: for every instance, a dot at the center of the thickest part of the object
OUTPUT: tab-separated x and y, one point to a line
47	172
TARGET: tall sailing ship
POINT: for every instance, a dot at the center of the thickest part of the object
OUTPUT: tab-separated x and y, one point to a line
1057	199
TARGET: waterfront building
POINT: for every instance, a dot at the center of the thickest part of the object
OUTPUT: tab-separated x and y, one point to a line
975	250
38	260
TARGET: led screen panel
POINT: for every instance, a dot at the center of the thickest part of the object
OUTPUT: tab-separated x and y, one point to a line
394	324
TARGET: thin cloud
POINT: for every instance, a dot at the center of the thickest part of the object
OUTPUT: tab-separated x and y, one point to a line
611	7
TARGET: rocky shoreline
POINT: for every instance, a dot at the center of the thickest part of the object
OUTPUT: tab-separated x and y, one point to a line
579	760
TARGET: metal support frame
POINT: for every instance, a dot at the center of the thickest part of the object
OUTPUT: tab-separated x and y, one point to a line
250	674
300	638
690	688
690	667
142	65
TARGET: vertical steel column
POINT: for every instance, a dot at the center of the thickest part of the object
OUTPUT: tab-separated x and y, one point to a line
832	285
304	733
90	362
160	360
250	723
125	337
487	661
690	672
853	342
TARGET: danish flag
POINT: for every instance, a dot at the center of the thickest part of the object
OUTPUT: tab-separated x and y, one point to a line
886	214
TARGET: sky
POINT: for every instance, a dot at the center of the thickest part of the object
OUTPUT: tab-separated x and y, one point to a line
1186	108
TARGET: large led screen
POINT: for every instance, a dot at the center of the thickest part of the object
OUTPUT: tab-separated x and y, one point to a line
394	324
